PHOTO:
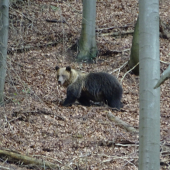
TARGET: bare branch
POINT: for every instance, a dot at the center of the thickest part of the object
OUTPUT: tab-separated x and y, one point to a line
165	75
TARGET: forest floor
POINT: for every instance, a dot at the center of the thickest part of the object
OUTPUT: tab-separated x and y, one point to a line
32	122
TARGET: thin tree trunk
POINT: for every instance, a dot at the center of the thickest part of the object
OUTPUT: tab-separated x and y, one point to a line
87	42
134	56
4	7
149	126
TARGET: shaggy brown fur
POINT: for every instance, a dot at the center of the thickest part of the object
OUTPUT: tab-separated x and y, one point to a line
93	86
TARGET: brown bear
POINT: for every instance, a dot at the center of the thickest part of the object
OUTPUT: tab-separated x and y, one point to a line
83	87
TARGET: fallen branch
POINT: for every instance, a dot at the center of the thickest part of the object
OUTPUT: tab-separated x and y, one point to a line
121	123
56	21
116	33
44	111
2	167
27	159
110	28
29	47
23	114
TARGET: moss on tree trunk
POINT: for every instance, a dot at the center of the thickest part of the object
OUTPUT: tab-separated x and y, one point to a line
134	56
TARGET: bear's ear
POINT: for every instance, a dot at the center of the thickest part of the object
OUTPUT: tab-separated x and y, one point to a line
68	68
57	67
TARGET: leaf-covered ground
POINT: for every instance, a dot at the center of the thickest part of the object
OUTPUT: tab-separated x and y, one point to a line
32	122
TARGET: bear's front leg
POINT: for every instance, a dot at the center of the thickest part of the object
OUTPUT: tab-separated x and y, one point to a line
73	91
84	101
70	99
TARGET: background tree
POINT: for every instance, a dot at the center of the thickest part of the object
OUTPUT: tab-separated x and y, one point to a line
87	42
149	126
134	56
4	7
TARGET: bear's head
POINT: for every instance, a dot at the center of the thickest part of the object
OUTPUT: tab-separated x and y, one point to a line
66	75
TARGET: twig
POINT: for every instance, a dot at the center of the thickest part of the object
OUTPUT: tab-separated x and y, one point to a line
128	72
164	62
125	145
120	68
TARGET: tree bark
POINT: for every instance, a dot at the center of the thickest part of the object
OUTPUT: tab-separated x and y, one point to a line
4	8
134	56
87	42
149	126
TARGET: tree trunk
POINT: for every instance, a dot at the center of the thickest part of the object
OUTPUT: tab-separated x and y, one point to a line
134	56
4	8
149	126
87	42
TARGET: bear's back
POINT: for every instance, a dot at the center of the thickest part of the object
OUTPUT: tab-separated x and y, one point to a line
102	82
